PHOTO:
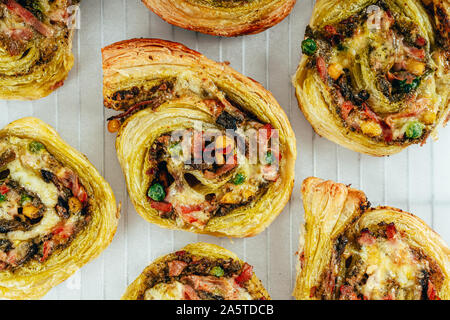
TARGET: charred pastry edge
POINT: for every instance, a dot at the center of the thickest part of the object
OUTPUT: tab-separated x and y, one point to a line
280	10
133	53
138	287
342	135
35	279
35	92
432	245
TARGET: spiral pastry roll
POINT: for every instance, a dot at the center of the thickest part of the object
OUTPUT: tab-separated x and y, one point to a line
35	46
222	17
199	271
203	148
374	75
56	212
350	251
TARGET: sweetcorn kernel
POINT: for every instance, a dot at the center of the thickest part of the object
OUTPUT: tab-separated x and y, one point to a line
335	70
429	117
415	67
371	128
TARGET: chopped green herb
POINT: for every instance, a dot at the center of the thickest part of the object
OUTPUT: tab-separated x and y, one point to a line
156	192
217	271
309	46
2	197
35	146
24	198
239	179
405	87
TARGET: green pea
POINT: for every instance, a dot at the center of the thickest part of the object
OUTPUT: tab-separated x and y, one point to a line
414	130
239	179
217	271
156	192
270	158
35	146
2	197
309	46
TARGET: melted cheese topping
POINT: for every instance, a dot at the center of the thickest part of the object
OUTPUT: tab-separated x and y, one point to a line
165	291
48	222
47	192
388	262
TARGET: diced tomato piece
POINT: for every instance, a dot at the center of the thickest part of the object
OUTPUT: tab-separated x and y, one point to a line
63	231
431	292
189	218
176	267
161	206
4	189
346	108
180	253
322	68
421	41
189	209
366	238
391	231
387	131
246	274
331	30
48	245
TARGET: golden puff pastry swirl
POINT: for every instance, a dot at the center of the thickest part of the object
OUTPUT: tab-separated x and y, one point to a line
199	271
350	251
374	75
188	146
56	212
222	17
35	46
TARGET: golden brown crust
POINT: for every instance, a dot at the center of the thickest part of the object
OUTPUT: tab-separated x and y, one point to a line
35	279
200	249
222	18
41	64
317	100
331	209
137	63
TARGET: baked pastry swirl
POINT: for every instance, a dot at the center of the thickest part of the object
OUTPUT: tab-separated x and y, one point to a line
35	46
199	271
374	75
351	251
222	17
56	212
188	145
